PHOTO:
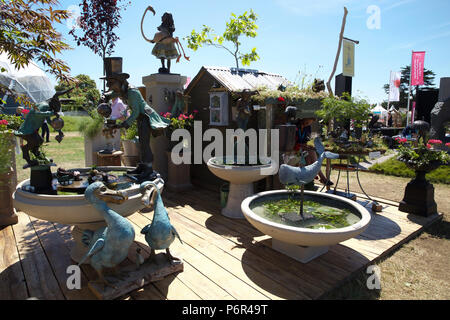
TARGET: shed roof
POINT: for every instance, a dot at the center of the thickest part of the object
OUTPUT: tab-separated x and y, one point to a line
236	81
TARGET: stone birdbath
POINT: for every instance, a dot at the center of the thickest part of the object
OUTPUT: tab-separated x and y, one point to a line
241	178
71	208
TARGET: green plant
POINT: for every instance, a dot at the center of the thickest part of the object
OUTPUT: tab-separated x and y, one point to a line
131	132
243	25
93	126
183	121
344	109
421	156
6	147
84	96
11	122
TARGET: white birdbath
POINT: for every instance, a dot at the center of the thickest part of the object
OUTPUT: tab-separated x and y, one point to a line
301	243
241	180
75	210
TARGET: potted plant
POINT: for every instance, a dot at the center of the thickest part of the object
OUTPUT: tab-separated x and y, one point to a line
423	158
130	146
8	175
94	140
179	175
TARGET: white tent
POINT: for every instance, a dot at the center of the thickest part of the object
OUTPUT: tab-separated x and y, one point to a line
29	80
381	112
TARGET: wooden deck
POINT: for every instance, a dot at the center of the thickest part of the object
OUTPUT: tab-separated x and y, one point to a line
223	258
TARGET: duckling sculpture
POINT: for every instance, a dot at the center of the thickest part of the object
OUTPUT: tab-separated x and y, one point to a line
300	176
160	233
108	246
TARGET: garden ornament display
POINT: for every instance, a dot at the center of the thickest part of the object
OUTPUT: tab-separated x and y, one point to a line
108	246
423	128
149	122
164	40
300	176
28	131
160	233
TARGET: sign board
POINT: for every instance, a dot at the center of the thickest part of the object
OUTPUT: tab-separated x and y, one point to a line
348	54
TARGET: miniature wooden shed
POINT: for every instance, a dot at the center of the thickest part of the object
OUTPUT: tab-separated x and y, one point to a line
212	93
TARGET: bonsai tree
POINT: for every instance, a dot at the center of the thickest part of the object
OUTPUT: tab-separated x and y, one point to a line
98	20
243	25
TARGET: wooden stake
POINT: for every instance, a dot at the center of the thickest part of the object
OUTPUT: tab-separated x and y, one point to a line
341	36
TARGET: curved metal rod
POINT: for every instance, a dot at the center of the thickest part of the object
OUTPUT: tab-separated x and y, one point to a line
357	178
149	8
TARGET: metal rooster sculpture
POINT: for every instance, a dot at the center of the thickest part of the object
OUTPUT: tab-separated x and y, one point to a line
108	246
160	233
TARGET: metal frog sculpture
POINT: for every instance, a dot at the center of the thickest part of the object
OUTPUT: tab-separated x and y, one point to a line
164	40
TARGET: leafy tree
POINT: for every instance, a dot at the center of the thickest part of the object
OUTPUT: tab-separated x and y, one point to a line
98	20
428	78
84	96
244	25
27	33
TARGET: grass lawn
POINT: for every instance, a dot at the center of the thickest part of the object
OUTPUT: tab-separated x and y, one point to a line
417	270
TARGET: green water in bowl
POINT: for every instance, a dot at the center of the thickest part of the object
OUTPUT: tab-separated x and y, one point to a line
287	212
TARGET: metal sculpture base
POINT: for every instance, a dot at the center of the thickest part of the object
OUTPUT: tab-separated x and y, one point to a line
419	199
237	194
137	277
299	253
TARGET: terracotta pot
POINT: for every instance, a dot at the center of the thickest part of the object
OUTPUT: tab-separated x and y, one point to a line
179	176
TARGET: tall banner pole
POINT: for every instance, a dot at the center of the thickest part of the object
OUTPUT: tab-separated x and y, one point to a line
409	92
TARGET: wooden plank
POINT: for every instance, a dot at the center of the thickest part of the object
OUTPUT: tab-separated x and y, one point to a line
41	281
248	274
137	278
217	273
254	263
263	257
202	286
12	280
59	257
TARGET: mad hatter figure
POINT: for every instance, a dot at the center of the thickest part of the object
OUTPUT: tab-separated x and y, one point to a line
164	48
149	122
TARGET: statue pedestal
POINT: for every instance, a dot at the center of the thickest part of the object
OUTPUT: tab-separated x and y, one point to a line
157	85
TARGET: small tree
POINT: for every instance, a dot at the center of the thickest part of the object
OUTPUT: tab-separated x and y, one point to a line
27	33
98	20
85	95
244	25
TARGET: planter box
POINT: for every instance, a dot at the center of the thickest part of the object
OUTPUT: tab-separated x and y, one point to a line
98	143
8	182
131	156
179	176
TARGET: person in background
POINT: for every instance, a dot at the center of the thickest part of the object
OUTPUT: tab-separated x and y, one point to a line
45	131
303	136
119	109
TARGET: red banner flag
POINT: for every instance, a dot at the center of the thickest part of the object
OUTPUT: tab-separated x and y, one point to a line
417	66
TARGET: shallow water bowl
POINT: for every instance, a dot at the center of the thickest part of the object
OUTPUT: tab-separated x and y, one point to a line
241	178
302	243
74	209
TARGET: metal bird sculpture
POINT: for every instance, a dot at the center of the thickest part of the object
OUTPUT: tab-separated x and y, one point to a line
160	233
108	246
300	176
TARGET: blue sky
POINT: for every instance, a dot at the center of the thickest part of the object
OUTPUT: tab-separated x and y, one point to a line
296	38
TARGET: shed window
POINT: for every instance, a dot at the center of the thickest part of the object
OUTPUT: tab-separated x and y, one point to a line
218	108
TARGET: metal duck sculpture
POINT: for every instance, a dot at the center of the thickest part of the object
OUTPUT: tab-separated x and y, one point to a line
290	175
160	233
108	246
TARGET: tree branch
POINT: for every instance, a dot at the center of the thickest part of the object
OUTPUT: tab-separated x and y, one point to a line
338	52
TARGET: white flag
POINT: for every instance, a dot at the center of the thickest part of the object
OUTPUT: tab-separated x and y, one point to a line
394	86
